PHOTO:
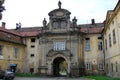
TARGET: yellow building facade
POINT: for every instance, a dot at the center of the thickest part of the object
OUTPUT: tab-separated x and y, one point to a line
61	47
12	51
111	34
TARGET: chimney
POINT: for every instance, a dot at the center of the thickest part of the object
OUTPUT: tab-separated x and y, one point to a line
93	21
3	25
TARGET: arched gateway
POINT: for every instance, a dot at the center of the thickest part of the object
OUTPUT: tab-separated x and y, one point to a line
59	67
58	64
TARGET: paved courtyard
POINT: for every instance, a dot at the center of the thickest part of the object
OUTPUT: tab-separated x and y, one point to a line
57	78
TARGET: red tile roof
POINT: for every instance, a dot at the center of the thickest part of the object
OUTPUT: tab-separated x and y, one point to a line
89	28
9	31
29	33
10	36
92	30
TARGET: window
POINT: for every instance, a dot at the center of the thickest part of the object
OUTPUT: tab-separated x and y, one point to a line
88	66
110	44
87	44
32	46
32	55
31	70
99	45
114	37
116	67
33	40
15	52
106	43
1	47
111	67
100	38
100	66
107	70
59	45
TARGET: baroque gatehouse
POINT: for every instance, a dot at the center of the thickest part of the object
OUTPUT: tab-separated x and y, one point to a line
62	47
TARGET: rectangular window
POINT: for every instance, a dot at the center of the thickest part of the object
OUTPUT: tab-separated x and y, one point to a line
1	49
100	45
110	44
106	43
114	37
88	66
107	70
111	67
59	45
31	70
32	55
87	44
32	46
100	38
32	39
100	66
15	52
116	67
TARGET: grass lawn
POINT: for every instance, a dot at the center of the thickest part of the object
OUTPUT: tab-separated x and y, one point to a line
101	78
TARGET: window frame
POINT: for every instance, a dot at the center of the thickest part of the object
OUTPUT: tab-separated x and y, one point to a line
100	45
100	66
1	50
88	66
33	40
16	52
114	36
110	42
59	45
87	44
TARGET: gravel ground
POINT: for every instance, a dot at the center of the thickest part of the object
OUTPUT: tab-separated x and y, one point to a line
57	78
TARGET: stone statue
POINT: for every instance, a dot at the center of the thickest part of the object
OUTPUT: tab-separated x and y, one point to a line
59	4
44	22
18	25
74	20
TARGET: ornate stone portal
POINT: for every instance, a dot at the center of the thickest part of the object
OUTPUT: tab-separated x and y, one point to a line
60	43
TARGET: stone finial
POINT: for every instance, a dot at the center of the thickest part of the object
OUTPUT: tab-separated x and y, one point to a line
59	4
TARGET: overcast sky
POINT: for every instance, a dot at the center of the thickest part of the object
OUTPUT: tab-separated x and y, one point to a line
32	12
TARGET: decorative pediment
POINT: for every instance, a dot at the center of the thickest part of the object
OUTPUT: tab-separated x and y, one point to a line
52	53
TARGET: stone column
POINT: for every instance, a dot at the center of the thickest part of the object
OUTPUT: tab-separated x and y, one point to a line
68	70
49	71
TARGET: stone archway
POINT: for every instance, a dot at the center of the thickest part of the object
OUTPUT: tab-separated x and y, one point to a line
59	67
